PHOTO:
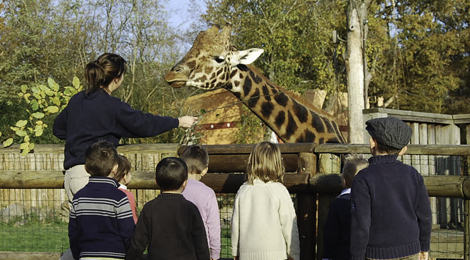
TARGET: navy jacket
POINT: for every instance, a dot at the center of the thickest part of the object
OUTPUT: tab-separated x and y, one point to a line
96	116
336	229
390	211
101	222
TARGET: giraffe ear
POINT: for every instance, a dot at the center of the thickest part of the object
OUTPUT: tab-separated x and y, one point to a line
247	56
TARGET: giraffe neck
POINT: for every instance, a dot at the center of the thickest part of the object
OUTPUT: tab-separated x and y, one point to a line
292	121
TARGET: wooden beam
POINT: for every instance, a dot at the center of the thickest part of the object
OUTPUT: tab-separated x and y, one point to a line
29	255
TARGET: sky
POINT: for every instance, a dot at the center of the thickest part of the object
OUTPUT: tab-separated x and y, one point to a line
179	10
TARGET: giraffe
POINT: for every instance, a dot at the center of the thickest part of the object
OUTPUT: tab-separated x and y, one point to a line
213	63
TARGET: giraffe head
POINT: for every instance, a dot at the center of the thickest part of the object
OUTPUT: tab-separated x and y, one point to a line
210	61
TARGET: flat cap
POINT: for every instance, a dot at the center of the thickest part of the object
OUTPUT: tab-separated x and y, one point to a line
389	131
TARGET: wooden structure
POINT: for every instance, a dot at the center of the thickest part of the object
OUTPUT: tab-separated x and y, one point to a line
439	150
226	162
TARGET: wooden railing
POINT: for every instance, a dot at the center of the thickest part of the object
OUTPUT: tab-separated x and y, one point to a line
311	174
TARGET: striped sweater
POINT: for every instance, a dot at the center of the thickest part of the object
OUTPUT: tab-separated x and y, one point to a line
101	223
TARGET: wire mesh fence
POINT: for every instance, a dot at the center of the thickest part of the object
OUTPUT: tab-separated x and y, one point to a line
44	229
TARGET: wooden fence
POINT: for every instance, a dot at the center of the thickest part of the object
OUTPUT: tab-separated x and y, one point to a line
314	188
438	150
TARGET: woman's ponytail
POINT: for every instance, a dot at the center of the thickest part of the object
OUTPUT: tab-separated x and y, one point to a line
100	73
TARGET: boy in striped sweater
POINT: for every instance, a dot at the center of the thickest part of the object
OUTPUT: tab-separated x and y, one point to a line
101	223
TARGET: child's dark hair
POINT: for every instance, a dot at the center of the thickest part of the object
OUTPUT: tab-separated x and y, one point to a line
124	167
101	72
100	158
171	173
352	165
196	158
265	163
381	148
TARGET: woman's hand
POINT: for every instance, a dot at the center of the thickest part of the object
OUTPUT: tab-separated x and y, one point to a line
187	121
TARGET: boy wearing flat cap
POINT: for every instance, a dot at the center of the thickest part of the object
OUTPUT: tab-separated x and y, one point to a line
390	209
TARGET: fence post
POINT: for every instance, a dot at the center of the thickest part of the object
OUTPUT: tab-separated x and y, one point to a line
466	238
307	210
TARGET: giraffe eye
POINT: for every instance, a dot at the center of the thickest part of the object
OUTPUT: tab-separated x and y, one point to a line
219	59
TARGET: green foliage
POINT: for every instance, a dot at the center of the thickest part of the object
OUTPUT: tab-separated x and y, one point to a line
296	37
43	100
250	128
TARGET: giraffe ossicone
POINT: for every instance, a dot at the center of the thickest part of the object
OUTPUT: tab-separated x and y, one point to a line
213	63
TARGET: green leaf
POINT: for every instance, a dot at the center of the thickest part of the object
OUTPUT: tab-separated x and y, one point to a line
56	101
21	133
8	142
27	138
202	111
38	130
21	123
76	83
24	88
34	105
24	146
52	84
38	115
52	109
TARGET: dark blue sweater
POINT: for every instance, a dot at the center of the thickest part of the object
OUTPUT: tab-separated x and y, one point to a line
336	229
390	211
96	116
101	222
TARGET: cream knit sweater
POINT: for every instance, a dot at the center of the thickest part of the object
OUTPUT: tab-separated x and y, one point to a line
264	224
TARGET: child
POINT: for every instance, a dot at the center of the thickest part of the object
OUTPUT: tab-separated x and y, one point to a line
390	209
338	223
169	225
101	223
123	176
197	160
264	224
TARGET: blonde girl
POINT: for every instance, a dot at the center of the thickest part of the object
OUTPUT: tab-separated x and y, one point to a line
264	224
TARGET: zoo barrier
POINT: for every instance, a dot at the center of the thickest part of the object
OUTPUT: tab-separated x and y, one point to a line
35	183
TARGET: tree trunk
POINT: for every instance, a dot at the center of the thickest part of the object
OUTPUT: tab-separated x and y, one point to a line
355	66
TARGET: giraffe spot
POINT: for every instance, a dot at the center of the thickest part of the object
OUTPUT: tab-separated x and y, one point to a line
208	70
253	100
309	137
219	72
203	78
333	140
329	126
291	127
247	87
317	122
243	67
236	83
281	99
191	64
280	119
233	73
257	79
266	94
237	94
267	109
301	112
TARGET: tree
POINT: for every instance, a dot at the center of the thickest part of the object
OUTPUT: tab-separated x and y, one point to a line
356	64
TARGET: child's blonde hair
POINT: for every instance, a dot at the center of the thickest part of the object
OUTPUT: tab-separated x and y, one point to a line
124	167
352	165
265	163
